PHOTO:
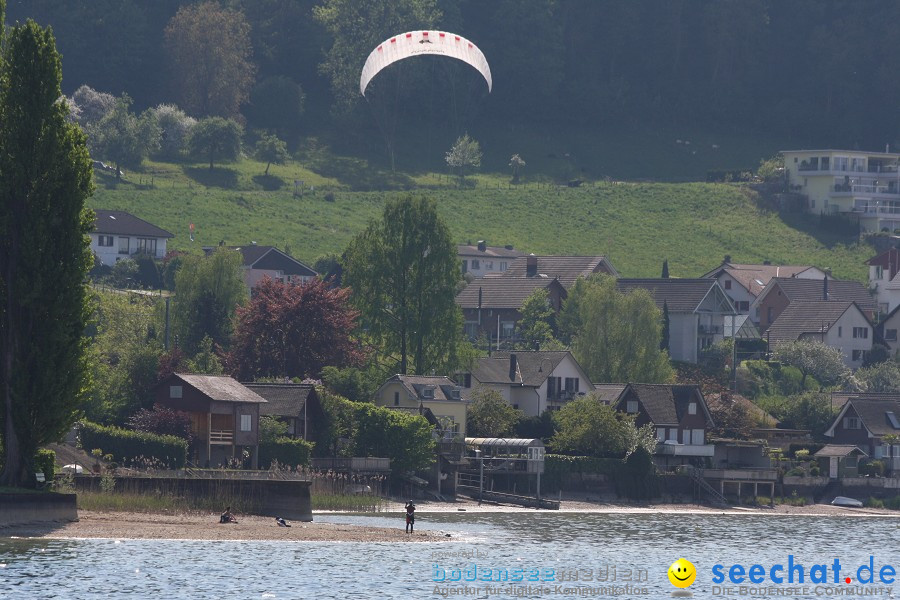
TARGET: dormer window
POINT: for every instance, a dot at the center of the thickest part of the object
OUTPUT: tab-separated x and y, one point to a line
454	394
428	393
692	408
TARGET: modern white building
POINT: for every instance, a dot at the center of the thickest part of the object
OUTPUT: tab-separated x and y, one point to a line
118	234
865	184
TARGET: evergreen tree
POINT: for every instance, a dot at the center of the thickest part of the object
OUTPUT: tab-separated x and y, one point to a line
664	341
403	271
665	269
45	178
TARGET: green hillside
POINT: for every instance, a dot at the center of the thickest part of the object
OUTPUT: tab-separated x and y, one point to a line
636	224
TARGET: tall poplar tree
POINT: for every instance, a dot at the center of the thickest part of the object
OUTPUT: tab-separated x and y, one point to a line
403	271
45	178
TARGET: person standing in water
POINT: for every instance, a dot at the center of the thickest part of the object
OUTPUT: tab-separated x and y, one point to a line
410	516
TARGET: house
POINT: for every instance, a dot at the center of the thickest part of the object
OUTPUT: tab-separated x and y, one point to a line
840	325
865	185
269	261
118	234
743	282
697	310
867	421
296	404
781	291
609	393
567	269
481	260
491	306
531	381
417	392
224	416
886	330
884	284
679	415
839	460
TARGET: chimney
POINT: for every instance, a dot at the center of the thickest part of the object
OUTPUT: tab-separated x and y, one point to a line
727	258
482	246
825	288
531	265
512	366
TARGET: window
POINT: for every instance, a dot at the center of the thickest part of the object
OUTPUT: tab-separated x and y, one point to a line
660	434
124	245
246	422
770	314
851	423
631	407
692	408
471	329
890	335
465	266
396	398
476	265
824	163
516	406
105	241
503	266
488	265
428	392
727	284
697	436
553	387
879	272
571	384
840	331
507	328
174	391
673	435
858	355
147	246
861	333
743	306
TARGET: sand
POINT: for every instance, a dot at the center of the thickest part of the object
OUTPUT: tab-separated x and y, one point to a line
203	526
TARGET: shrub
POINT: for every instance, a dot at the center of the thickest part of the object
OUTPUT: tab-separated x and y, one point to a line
163	421
874	503
126	445
287	451
874	468
45	462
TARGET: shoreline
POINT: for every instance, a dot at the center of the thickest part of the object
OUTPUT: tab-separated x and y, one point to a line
196	526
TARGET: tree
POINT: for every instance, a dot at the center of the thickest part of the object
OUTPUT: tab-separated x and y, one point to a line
489	415
353	383
269	149
208	291
45	179
882	377
122	137
403	272
292	330
465	153
271	428
665	269
516	164
588	427
809	410
535	326
209	50
91	106
664	337
175	129
276	103
824	363
216	138
163	421
618	336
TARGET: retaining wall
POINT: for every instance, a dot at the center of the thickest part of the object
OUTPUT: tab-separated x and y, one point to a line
24	508
268	497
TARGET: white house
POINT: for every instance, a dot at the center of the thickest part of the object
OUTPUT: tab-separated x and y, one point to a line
481	260
866	184
839	324
118	234
697	310
530	381
884	283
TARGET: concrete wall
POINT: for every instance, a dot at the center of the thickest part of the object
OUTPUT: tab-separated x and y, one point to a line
273	498
18	509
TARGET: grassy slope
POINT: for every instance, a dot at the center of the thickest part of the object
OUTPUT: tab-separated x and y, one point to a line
637	224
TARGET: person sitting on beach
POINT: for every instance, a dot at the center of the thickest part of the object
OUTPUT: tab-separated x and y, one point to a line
410	516
281	522
227	517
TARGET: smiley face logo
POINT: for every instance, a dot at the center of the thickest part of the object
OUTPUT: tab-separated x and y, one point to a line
682	573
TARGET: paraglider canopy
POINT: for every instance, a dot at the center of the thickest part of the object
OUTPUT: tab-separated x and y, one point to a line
414	43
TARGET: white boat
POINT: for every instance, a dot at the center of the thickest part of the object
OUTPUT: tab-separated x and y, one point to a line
845	501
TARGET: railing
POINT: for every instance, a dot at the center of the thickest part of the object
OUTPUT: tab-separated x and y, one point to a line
351	464
221	436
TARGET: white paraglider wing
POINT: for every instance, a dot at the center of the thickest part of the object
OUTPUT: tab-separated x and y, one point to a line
414	43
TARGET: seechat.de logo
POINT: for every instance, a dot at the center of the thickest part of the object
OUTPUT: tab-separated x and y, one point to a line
682	573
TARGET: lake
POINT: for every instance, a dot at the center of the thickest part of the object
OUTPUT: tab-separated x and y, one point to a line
491	555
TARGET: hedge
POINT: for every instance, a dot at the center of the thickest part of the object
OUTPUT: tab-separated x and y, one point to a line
287	451
126	445
634	479
45	462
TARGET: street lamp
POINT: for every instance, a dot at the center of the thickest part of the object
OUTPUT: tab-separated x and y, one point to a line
480	456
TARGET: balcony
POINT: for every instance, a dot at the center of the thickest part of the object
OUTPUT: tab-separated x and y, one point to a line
742	474
221	436
669	449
